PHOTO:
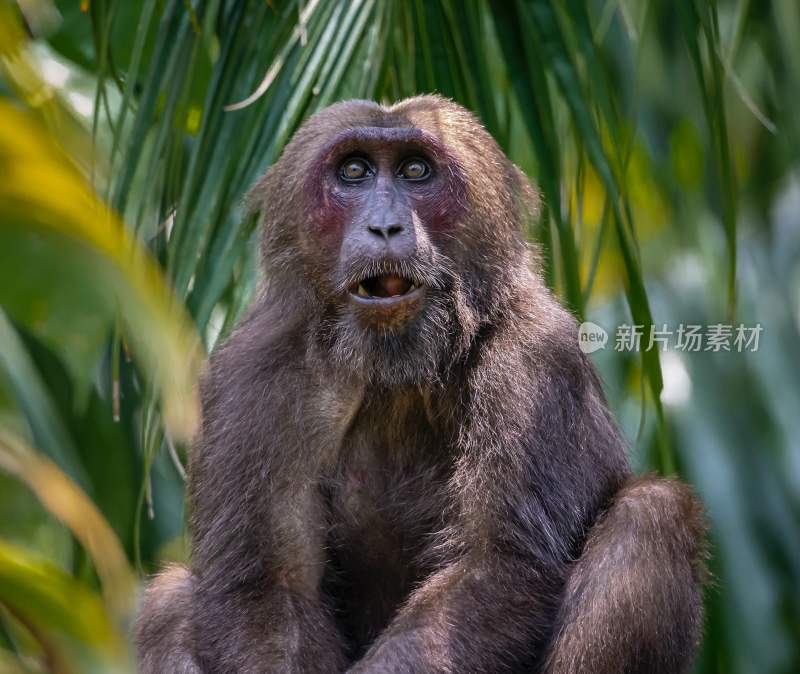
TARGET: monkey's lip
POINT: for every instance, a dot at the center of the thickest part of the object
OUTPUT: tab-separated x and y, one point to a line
384	290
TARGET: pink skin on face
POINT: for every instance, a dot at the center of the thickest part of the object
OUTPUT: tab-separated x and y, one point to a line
438	202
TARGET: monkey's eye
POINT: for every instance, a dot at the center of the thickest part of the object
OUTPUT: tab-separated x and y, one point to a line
414	169
354	169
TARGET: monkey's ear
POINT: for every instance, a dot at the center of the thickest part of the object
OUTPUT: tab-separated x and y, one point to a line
257	196
526	196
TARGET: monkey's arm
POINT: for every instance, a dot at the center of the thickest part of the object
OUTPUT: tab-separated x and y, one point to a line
472	616
250	603
257	518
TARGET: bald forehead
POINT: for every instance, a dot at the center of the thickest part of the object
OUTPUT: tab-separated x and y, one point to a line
426	113
374	137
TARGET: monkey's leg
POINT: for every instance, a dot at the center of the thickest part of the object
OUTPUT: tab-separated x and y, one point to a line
162	629
633	601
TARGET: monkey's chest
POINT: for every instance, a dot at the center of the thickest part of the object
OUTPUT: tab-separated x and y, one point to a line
386	503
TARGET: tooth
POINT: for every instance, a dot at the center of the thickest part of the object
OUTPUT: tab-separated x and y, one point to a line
362	291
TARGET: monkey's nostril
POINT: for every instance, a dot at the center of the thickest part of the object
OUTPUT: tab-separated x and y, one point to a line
385	231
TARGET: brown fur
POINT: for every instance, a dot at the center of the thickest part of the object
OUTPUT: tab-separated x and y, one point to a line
444	491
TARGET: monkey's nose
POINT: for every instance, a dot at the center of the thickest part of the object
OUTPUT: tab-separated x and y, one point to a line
385	231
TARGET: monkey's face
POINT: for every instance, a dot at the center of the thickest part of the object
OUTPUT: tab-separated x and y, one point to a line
404	225
387	199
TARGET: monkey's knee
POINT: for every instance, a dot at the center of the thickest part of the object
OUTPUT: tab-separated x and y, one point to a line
655	533
633	601
661	519
163	630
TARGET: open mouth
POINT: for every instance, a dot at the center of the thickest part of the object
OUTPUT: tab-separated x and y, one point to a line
384	289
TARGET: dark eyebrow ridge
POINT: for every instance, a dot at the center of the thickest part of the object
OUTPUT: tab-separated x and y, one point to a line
372	134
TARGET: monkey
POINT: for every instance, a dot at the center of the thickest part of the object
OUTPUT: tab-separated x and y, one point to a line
406	463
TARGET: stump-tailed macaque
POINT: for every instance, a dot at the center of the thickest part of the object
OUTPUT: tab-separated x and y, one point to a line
406	464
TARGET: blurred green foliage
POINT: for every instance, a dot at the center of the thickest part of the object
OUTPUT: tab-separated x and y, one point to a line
664	138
